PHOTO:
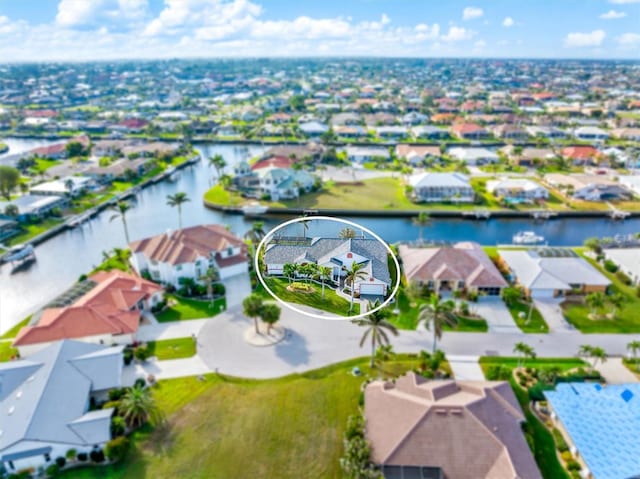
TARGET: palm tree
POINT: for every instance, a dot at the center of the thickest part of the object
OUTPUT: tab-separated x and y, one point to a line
256	233
219	163
347	233
377	327
634	347
594	301
290	270
270	314
68	185
252	306
137	406
121	209
353	274
617	300
210	277
421	221
525	351
595	353
297	186
307	270
324	273
178	200
11	210
305	226
436	314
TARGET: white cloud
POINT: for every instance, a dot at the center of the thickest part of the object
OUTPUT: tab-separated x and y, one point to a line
76	12
480	44
302	27
385	19
613	15
623	2
578	39
507	22
470	13
456	34
628	39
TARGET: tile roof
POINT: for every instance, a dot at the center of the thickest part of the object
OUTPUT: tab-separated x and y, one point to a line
469	429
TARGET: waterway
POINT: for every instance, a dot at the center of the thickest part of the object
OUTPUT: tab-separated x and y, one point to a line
62	259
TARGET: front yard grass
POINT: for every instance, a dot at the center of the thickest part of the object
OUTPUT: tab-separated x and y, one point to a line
31	230
331	302
6	351
536	323
186	309
172	348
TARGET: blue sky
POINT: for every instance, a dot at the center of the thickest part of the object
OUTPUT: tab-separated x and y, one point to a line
106	29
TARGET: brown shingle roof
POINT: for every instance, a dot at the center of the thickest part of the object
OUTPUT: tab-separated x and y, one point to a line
469	429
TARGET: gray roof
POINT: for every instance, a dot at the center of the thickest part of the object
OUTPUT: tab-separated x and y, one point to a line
45	398
321	250
430	179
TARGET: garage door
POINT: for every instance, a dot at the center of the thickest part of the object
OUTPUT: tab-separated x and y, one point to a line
542	293
376	289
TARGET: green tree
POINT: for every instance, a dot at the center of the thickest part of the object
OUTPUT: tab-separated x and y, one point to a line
137	406
347	233
594	353
11	210
617	300
74	148
219	163
290	270
593	244
421	221
68	185
296	102
117	448
435	314
270	315
324	273
595	301
511	295
177	200
210	277
353	274
523	350
252	306
377	328
308	270
120	210
255	234
634	347
9	179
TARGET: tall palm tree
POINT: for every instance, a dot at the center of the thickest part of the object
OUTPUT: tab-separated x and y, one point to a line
324	273
634	347
347	233
68	185
617	300
219	163
377	327
178	200
435	314
121	209
256	233
594	301
137	406
290	270
353	274
524	351
305	226
421	221
270	315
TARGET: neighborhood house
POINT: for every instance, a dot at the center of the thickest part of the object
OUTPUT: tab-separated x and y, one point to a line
439	187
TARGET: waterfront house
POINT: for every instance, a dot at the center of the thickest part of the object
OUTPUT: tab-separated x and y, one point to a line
627	259
366	154
631	182
473	156
446	429
552	272
338	254
67	186
591	133
56	151
45	403
437	187
469	131
429	132
35	206
189	253
589	187
528	156
581	155
418	154
517	190
346	131
548	132
8	228
313	128
109	313
461	267
510	132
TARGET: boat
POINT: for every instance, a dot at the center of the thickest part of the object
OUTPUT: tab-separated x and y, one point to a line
19	252
527	237
172	173
254	208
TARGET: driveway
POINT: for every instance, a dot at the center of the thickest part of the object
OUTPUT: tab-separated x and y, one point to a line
349	174
171	330
614	372
552	314
496	313
466	367
237	288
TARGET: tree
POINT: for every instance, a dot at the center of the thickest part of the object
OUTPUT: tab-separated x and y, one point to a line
11	210
634	347
593	244
121	209
435	314
189	284
255	233
307	270
68	185
177	200
524	351
9	179
74	148
594	301
324	273
290	270
210	277
117	448
353	274
270	315
137	406
377	327
252	306
347	233
219	163
304	223
296	102
595	353
511	295
421	221
617	300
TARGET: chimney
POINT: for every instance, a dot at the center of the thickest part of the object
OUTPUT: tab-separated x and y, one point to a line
169	233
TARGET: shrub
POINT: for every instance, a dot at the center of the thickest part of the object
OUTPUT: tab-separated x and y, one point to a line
141	353
623	278
52	470
111	404
561	444
82	456
498	373
127	356
140	383
97	455
61	461
610	266
71	454
536	392
118	426
117	448
116	393
573	465
567	456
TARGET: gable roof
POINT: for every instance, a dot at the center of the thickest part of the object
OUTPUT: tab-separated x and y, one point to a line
430	179
469	429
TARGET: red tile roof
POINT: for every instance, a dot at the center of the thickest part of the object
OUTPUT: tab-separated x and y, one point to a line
273	162
579	152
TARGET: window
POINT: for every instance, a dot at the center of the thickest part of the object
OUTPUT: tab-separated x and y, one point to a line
179	267
47	456
229	251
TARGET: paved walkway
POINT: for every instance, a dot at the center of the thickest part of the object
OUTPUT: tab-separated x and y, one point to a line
168	369
614	372
466	367
171	330
552	314
497	314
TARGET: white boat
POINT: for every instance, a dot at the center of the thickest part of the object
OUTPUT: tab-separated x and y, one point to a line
172	173
254	208
527	237
19	252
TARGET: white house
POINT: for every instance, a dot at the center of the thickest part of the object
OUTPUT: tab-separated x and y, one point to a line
69	185
517	189
44	403
627	259
591	133
365	154
631	182
437	187
189	253
473	156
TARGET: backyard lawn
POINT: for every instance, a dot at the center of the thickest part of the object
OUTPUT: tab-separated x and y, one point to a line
536	323
28	231
6	351
172	348
223	427
185	309
331	302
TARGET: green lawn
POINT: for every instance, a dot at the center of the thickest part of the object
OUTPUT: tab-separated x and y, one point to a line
6	351
13	332
172	348
186	309
222	427
331	302
536	323
29	231
219	196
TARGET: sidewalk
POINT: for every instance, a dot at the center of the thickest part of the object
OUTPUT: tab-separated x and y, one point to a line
169	369
466	367
614	372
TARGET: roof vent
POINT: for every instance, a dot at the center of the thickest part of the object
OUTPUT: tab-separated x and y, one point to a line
18	394
443	412
11	410
626	395
349	255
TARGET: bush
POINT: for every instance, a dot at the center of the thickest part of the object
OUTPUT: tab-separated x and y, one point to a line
127	356
140	383
82	456
566	456
118	426
53	470
610	266
71	454
117	448
218	289
536	392
141	353
573	465
61	461
116	393
561	444
111	404
97	455
498	373
622	277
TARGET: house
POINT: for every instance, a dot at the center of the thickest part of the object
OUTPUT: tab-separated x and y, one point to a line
413	118
580	155
631	182
189	253
418	154
528	156
517	190
130	125
552	272
57	151
473	156
8	228
631	134
627	259
510	132
365	154
461	267
69	186
436	187
446	429
602	192
350	131
429	132
588	187
35	206
313	128
337	254
278	183
469	131
549	132
590	133
600	424
45	403
109	313
391	132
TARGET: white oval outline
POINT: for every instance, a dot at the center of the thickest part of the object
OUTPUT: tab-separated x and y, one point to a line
269	235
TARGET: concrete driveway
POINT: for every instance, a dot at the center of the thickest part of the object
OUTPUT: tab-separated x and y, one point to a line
466	367
237	288
552	314
496	313
614	372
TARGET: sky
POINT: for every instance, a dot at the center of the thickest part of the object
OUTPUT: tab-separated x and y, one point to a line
81	30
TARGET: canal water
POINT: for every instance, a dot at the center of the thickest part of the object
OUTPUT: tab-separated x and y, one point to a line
62	259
